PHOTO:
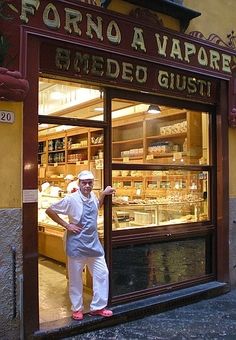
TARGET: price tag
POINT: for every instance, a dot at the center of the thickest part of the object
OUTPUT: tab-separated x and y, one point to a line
125	159
99	164
149	157
7	117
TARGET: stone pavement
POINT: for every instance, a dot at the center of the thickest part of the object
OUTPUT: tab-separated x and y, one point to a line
213	318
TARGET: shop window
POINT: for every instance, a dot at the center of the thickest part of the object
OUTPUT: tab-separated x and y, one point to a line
163	171
159	197
171	146
170	136
71	100
152	265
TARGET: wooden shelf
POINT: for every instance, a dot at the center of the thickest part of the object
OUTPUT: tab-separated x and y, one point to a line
130	141
169	136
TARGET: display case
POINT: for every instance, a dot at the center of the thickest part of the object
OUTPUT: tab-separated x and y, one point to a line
147	215
155	198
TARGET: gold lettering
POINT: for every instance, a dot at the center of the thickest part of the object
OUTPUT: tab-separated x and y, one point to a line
113	69
202	57
138	40
115	37
163	79
73	17
172	81
51	23
226	60
184	84
97	66
178	85
192	87
161	47
176	50
190	49
208	88
28	7
62	59
81	61
214	58
202	84
141	74
94	27
127	71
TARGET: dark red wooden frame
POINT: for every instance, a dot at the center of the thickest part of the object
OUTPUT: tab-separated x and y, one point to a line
29	66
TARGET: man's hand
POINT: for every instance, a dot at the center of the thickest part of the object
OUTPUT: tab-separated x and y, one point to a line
74	228
109	190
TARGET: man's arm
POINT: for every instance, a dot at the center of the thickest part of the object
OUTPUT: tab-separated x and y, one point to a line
56	218
107	191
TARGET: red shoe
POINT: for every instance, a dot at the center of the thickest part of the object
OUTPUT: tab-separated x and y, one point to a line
102	312
77	315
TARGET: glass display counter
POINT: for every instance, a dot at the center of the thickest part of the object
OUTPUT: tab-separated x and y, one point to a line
146	215
155	198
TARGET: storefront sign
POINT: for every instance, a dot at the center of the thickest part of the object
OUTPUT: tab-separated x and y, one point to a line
91	65
123	35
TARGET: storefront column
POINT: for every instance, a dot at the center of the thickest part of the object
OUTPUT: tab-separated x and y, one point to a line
11	218
13	90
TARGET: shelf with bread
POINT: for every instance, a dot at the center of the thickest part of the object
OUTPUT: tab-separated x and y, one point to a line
155	212
81	148
159	139
176	196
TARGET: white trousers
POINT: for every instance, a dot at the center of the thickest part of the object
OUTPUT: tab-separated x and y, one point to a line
99	272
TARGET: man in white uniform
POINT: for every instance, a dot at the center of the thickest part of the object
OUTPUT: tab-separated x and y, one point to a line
83	246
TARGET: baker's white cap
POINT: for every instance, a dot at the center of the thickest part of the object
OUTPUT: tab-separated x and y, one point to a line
85	175
70	177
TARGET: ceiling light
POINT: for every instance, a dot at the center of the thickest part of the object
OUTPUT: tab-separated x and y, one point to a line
56	95
98	109
154	109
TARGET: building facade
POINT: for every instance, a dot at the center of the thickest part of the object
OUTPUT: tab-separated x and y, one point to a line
142	97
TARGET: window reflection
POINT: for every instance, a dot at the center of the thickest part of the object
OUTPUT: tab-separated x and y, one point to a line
138	267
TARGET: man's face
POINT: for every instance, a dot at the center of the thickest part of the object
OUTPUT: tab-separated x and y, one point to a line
86	186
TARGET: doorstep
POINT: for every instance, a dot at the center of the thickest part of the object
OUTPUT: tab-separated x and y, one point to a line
67	327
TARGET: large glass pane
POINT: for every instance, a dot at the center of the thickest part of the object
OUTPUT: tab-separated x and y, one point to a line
156	198
144	133
67	99
139	267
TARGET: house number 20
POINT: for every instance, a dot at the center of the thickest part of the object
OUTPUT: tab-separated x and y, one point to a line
7	117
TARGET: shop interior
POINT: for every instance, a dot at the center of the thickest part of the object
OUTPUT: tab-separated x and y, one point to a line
174	191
